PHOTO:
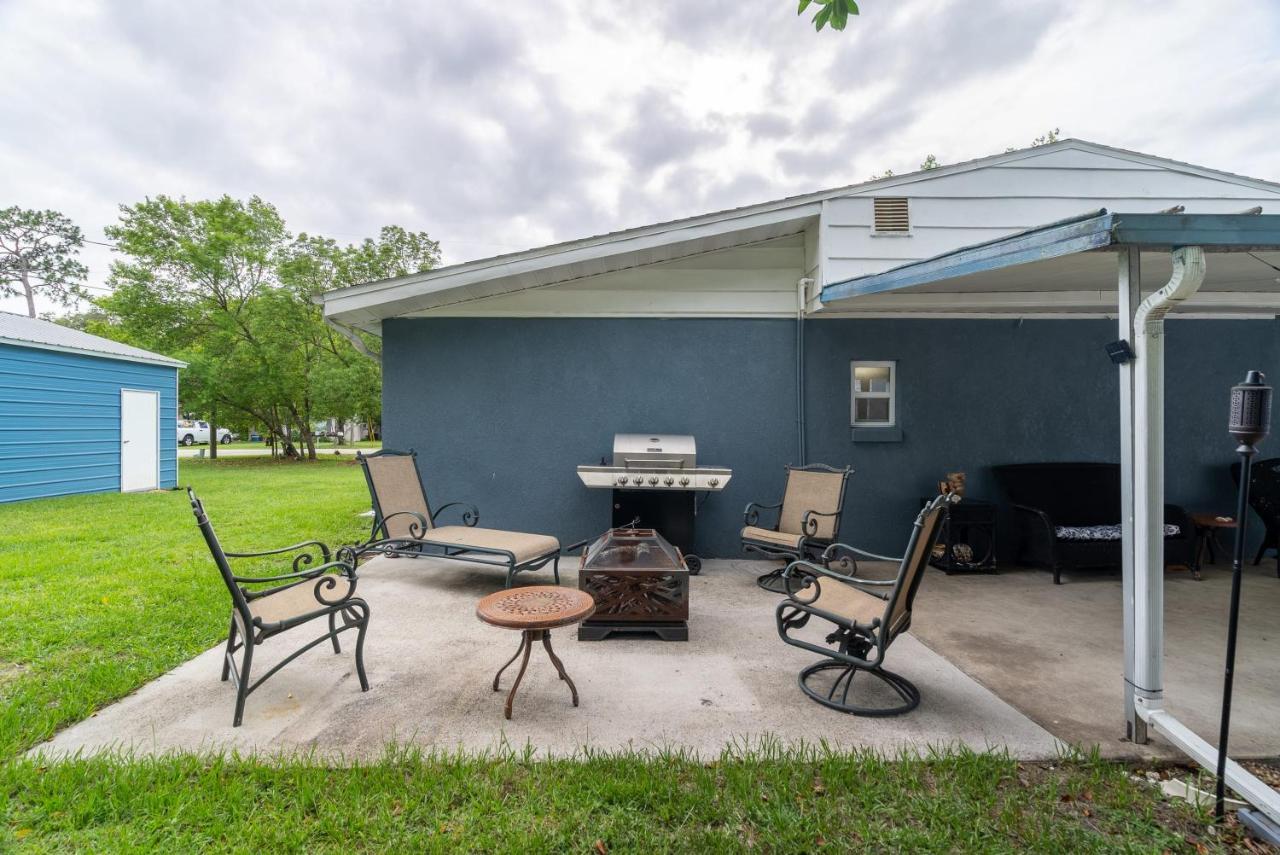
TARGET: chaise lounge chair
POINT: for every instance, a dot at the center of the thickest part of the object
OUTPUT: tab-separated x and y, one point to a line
808	519
309	593
868	614
404	525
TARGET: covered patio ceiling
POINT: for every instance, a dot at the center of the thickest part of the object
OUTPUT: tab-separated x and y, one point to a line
1069	268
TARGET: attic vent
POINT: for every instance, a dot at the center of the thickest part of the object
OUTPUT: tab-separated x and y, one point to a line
891	215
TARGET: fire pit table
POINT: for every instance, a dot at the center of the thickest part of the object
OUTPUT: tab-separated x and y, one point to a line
640	584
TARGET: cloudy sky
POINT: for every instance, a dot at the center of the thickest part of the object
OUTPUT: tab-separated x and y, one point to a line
500	126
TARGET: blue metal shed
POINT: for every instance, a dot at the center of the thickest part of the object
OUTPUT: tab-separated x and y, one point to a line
82	414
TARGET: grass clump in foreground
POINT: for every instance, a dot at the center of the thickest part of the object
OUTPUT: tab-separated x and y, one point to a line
794	800
104	592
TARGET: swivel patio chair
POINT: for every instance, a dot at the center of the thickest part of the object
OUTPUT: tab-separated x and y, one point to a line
308	593
404	525
1264	498
807	522
867	615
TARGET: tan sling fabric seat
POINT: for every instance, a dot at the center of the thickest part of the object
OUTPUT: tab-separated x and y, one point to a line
812	490
297	600
775	538
404	523
525	547
395	479
848	602
807	519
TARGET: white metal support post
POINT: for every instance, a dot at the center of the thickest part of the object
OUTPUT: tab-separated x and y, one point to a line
1148	475
1142	492
1130	280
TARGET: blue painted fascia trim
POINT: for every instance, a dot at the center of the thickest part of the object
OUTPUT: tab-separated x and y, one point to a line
1223	232
1065	237
1097	230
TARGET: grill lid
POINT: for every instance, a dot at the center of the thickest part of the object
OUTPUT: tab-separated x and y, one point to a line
654	451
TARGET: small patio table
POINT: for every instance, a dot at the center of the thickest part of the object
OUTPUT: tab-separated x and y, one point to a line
535	611
1207	527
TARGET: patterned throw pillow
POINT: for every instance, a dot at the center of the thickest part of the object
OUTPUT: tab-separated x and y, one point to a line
1101	532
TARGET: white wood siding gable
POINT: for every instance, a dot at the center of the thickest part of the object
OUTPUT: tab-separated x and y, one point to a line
959	208
746	262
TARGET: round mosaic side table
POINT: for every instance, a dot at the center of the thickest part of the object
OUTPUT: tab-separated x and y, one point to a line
535	611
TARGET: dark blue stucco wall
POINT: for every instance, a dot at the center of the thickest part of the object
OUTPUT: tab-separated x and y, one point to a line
501	410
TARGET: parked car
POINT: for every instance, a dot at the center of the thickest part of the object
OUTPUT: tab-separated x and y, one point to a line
191	432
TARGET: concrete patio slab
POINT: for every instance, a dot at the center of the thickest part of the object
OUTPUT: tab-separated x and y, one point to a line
1057	652
431	661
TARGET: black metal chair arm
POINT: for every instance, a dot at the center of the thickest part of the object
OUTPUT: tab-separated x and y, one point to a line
300	561
418	527
346	569
799	570
470	514
810	522
1036	513
751	515
837	551
322	583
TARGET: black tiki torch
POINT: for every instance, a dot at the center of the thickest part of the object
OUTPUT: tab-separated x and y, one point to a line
1250	421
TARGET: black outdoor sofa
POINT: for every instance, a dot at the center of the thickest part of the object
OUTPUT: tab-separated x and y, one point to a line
1067	517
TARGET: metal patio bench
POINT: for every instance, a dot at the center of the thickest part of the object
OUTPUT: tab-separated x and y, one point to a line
808	519
308	593
404	524
867	615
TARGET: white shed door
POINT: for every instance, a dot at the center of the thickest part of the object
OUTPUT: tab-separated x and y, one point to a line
139	440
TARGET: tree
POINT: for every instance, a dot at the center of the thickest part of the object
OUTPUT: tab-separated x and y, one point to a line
191	273
225	286
833	12
929	162
38	252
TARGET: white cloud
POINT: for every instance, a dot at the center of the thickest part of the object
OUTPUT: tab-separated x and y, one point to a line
565	118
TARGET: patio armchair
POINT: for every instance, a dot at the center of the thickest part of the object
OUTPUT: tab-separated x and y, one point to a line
867	615
405	525
306	593
805	522
1264	498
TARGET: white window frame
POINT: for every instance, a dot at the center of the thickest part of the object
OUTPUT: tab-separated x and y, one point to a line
892	394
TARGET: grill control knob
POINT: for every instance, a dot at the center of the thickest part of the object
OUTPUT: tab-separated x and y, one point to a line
653	480
622	479
714	482
669	481
684	482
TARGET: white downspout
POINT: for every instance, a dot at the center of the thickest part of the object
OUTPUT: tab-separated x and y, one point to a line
802	299
1148	522
1148	475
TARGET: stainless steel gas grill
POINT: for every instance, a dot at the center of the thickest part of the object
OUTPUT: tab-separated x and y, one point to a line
654	479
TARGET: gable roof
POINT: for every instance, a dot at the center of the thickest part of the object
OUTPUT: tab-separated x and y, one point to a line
365	305
33	332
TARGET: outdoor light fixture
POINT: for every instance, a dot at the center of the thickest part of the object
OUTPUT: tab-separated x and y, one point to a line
1119	352
1250	421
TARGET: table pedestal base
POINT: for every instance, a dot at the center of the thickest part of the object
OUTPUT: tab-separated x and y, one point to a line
527	638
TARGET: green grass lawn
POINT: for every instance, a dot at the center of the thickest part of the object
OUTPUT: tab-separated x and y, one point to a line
320	444
106	592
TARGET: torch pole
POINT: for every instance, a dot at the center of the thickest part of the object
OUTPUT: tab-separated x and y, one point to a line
1237	562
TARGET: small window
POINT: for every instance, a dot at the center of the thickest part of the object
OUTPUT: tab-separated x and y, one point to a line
892	215
874	393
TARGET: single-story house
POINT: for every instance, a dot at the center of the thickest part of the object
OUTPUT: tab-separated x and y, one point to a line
82	414
506	373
